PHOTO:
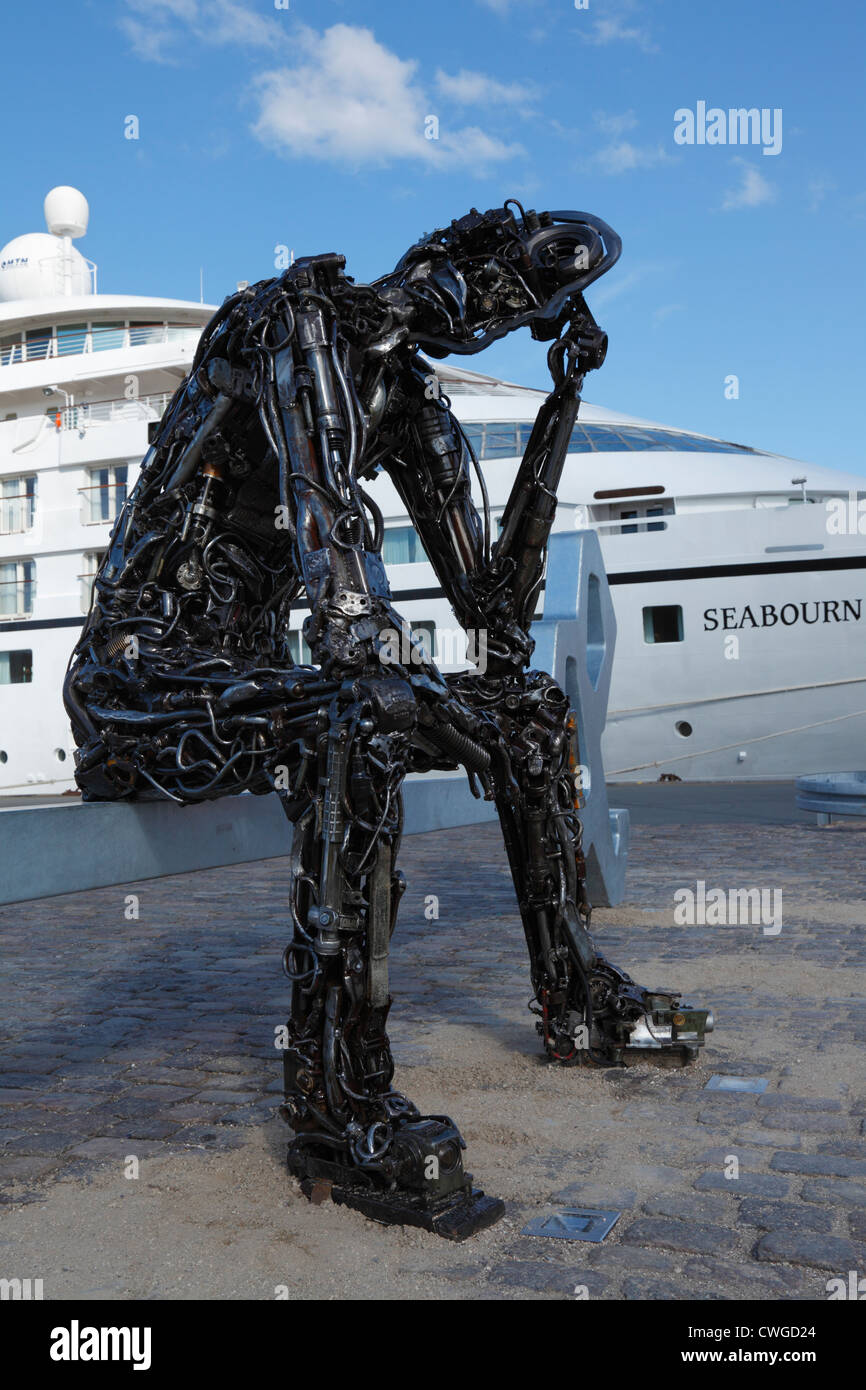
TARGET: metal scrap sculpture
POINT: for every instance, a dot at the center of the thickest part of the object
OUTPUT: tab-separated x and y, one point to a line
251	499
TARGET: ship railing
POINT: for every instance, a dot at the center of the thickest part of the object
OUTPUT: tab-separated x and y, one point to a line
16	598
80	417
39	345
17	513
101	502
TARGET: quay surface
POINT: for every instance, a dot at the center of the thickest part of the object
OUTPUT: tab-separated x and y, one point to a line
138	1022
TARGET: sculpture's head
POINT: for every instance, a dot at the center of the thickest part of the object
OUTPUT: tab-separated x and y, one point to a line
490	272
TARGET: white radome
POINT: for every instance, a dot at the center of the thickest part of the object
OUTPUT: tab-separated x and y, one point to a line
40	266
66	211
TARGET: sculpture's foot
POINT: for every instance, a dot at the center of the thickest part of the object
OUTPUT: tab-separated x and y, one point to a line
667	1029
421	1181
626	1022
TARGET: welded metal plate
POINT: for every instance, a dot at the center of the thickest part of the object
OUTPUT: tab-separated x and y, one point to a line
573	1223
752	1085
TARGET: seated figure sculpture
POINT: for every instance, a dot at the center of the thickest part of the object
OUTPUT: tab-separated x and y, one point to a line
251	501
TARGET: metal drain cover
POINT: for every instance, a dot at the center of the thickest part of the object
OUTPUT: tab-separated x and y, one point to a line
752	1085
573	1223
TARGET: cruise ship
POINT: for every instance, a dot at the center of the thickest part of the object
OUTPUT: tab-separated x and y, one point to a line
738	576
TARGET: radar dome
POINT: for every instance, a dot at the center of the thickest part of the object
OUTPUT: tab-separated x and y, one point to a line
40	266
66	211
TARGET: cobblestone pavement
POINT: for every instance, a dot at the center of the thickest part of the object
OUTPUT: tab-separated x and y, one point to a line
152	1036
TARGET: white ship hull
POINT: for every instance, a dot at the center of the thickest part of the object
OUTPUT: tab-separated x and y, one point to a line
740	611
786	696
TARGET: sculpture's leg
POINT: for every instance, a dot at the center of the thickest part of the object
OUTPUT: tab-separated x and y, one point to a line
357	1139
589	1011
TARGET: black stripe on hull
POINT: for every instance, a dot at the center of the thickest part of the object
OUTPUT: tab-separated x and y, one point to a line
827	565
30	624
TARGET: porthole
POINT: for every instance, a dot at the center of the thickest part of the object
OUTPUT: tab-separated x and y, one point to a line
662	623
60	754
4	756
683	728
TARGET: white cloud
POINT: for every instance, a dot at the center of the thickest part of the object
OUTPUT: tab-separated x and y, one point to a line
622	157
342	96
616	27
619	155
477	89
349	99
226	22
506	7
474	147
186	10
753	192
149	43
162	23
615	125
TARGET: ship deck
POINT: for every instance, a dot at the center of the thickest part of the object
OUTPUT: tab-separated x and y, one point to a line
155	1038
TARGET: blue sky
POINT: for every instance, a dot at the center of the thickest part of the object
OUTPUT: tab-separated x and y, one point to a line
304	126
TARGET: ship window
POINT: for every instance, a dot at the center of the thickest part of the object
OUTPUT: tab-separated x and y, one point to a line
106	336
17	588
496	439
501	442
16	668
492	440
636	518
104	497
401	545
424	636
17	504
300	652
663	623
10	349
38	343
71	339
141	333
600	438
475	434
92	559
